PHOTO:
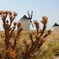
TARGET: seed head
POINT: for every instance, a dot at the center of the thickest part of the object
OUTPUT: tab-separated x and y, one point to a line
10	13
19	24
4	12
36	24
15	14
44	20
0	12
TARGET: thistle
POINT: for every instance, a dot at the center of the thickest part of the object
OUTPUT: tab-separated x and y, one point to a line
39	39
10	52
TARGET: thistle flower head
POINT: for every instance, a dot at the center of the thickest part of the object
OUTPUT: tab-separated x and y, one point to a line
10	13
45	17
4	12
19	24
0	12
15	14
36	24
44	20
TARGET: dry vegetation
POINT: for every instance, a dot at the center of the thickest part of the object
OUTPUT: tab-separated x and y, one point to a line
27	44
47	51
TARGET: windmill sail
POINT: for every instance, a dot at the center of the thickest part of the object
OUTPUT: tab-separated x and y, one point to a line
30	16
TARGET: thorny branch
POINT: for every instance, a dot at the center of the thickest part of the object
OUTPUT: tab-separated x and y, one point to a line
10	52
32	46
39	39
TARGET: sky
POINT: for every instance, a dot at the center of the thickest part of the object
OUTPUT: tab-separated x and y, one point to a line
49	8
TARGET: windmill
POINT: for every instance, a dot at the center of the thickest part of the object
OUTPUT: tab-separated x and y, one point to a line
27	20
30	16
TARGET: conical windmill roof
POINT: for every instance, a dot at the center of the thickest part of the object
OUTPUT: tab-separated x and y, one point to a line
25	17
55	24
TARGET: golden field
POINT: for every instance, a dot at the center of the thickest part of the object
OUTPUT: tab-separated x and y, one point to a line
49	49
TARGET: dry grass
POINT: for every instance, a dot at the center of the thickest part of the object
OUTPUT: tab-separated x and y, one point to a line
48	49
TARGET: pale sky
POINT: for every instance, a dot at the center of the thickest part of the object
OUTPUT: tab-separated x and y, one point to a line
49	8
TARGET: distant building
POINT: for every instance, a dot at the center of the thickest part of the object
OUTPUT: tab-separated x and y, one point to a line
55	26
25	21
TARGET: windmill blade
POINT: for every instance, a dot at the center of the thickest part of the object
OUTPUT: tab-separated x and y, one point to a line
31	23
31	14
28	14
31	18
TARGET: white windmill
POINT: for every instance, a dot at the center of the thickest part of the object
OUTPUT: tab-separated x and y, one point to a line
26	21
55	27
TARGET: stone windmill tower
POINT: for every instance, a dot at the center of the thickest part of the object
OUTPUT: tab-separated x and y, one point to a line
26	21
55	27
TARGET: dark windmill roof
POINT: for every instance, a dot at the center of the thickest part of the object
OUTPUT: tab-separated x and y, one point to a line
55	24
25	17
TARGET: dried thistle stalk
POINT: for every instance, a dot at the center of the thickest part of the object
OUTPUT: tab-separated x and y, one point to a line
10	52
39	39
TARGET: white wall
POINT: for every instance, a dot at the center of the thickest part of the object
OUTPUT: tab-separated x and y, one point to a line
55	28
25	24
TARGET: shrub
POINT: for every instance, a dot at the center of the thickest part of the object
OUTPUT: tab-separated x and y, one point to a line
9	31
31	46
34	44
